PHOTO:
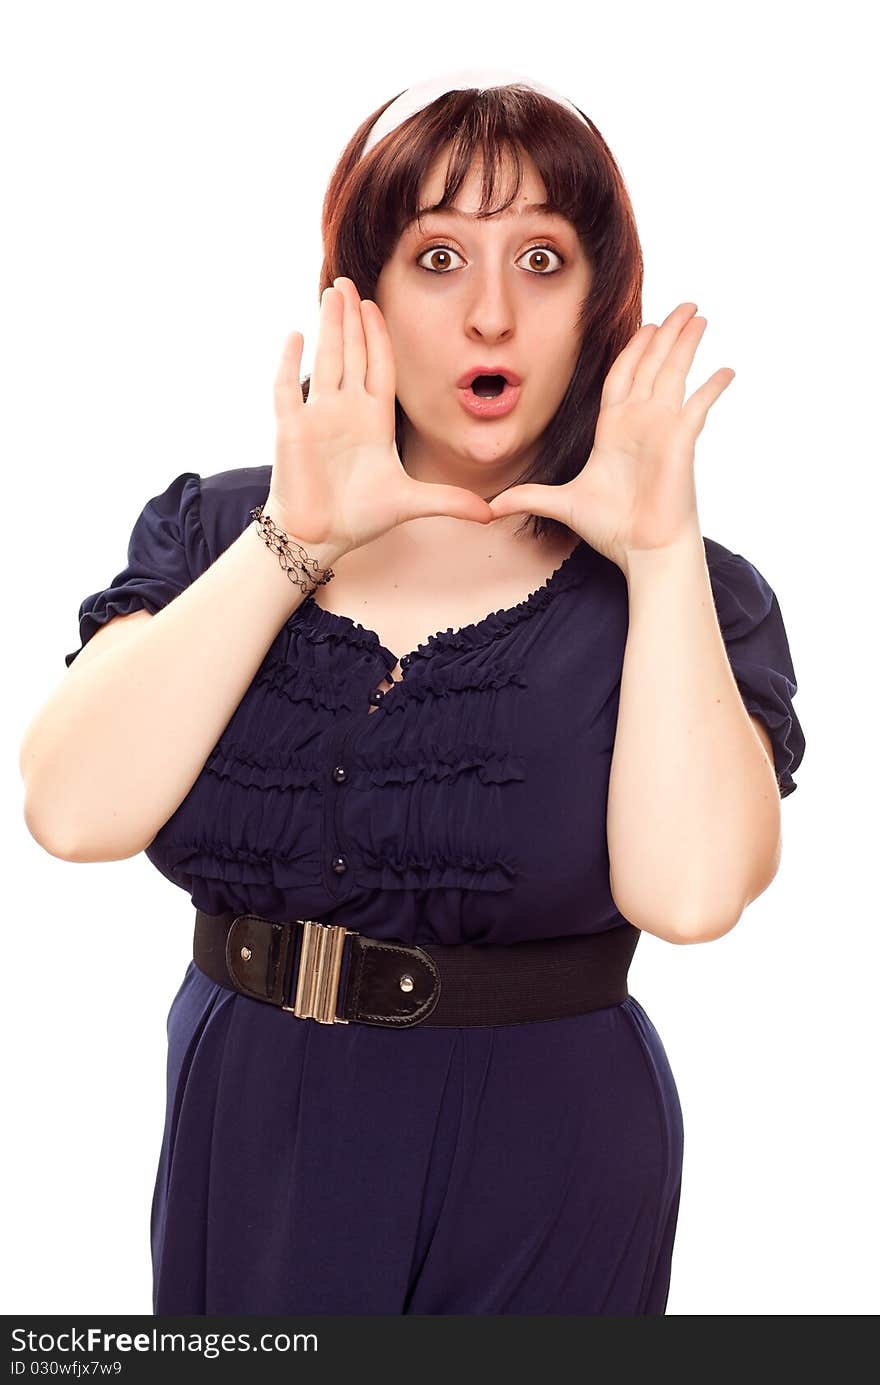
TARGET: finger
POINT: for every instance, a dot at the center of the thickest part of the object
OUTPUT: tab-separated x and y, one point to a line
422	498
327	370
288	390
618	381
381	377
354	347
661	344
695	410
550	501
669	382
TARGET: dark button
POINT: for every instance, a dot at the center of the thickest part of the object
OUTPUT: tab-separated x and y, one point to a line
339	774
339	864
406	661
376	697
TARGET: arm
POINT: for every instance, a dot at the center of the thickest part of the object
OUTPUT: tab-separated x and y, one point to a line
693	809
693	819
124	736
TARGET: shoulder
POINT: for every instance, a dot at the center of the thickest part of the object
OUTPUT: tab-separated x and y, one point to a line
743	596
756	640
722	559
227	497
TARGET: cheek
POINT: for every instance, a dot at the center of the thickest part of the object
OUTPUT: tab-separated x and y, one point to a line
411	363
552	359
418	361
559	356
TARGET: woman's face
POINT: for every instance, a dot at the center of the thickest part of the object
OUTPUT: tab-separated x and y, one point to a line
458	293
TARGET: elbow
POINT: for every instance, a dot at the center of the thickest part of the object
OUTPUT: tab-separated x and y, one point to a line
702	917
682	924
705	928
66	847
676	929
55	843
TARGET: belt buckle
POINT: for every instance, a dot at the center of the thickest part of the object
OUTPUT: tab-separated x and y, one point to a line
318	975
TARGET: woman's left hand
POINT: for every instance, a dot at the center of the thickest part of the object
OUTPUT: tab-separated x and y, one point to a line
637	488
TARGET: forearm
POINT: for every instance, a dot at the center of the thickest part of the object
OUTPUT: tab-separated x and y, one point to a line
124	736
693	808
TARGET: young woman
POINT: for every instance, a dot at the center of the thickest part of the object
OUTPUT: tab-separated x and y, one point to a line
430	718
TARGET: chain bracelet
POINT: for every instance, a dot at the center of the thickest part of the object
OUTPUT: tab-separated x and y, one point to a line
278	542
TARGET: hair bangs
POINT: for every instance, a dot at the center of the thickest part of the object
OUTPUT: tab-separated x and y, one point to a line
371	200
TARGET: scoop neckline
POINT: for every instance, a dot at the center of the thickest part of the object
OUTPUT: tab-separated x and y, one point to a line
473	635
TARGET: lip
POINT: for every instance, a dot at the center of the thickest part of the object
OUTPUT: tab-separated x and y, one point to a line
489	408
465	381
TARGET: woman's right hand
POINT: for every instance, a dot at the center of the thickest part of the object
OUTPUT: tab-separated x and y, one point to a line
338	479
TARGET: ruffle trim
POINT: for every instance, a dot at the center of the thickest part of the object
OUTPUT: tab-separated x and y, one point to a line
312	623
444	680
300	681
491	767
151	596
242	766
304	683
779	723
322	624
220	861
439	870
435	860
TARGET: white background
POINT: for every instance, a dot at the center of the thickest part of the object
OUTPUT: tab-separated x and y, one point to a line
163	171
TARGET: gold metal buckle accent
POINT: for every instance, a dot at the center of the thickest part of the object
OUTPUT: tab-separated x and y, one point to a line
320	966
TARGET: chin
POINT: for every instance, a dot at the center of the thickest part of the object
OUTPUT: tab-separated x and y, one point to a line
481	444
495	444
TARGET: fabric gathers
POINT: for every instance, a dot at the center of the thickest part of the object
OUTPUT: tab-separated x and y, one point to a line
528	1168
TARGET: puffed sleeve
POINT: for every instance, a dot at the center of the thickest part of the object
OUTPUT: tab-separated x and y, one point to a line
757	647
166	552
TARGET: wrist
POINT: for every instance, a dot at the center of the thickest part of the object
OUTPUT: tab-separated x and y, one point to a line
325	550
306	564
684	552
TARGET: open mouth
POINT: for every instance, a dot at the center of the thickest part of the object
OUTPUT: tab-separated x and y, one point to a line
489	396
488	386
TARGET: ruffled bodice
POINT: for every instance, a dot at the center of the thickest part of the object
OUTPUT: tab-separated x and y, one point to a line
470	804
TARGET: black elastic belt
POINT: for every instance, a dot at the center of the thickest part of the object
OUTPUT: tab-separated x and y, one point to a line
335	975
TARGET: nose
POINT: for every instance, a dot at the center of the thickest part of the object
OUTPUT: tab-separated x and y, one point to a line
490	312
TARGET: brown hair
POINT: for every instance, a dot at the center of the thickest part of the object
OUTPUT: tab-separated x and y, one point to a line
369	201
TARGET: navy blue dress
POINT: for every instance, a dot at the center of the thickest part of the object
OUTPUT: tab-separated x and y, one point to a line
529	1168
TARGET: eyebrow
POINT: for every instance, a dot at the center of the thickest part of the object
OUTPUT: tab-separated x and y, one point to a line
534	209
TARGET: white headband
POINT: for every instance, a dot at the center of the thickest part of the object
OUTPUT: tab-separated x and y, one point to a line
423	93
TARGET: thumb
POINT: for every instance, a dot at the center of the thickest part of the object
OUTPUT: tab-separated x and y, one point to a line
532	500
422	498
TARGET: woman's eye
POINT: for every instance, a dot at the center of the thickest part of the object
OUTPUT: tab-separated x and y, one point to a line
541	251
436	250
